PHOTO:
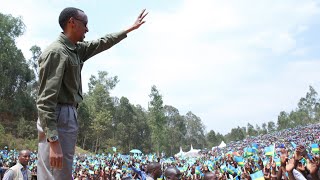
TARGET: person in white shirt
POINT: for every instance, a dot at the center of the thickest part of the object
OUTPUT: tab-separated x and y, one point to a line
19	171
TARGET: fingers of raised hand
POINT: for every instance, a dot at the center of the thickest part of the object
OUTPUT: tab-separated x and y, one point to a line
141	16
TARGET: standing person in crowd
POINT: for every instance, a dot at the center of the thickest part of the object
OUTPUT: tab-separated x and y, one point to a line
172	173
20	170
210	176
60	90
153	171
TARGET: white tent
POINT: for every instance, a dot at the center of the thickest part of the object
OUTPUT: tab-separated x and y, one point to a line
222	145
181	153
192	152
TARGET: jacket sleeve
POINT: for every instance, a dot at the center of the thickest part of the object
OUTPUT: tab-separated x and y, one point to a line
88	49
51	68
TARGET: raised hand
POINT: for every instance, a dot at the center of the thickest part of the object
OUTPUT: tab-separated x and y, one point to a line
284	157
290	165
301	167
313	166
299	152
139	21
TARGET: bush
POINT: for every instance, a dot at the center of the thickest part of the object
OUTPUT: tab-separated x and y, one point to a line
17	143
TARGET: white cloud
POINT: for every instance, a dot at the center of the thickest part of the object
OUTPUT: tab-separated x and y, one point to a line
229	62
179	57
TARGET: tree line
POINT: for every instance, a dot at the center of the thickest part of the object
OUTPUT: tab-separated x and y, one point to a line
106	121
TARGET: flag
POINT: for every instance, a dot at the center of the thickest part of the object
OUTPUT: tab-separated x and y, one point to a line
150	157
255	147
197	170
293	144
210	167
269	151
248	152
315	148
235	153
124	168
255	158
231	169
257	175
278	162
239	160
281	146
180	169
239	171
223	168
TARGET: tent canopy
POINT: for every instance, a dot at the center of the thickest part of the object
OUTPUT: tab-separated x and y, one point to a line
222	145
136	151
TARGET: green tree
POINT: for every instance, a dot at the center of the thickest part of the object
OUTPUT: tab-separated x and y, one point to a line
264	128
2	135
271	126
142	135
100	125
251	130
33	61
220	138
175	130
299	117
157	119
101	108
237	134
84	121
26	129
125	117
33	64
212	139
258	129
283	120
15	75
195	130
14	72
307	106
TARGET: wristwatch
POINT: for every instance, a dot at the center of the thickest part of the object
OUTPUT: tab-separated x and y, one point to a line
53	139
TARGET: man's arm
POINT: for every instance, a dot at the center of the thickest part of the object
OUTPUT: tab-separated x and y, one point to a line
139	172
88	49
91	48
52	68
290	167
136	170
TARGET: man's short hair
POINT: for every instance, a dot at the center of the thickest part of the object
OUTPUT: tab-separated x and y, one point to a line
171	170
152	166
24	151
66	14
210	176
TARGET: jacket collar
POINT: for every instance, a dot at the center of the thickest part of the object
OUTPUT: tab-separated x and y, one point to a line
63	38
20	165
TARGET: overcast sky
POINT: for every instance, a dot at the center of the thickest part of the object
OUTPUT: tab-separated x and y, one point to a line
230	62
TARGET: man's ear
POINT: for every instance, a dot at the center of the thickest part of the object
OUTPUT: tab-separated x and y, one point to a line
71	22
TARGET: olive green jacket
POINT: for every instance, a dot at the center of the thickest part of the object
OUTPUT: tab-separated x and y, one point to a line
60	75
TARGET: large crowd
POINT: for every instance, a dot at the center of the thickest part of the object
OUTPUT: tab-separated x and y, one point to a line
290	153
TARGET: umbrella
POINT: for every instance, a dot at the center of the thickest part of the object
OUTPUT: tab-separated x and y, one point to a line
136	151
